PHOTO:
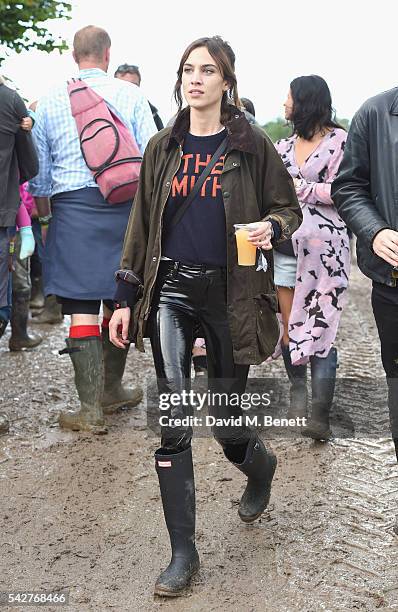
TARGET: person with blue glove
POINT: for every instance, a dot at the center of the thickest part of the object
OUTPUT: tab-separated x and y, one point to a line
27	242
24	244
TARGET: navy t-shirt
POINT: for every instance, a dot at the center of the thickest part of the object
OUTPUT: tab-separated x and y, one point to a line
200	236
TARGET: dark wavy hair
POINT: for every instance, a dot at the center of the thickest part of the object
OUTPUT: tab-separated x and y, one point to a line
224	57
312	106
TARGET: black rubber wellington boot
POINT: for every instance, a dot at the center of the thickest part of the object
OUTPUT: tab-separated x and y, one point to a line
323	381
259	466
4	423
36	294
200	365
20	338
298	386
3	326
177	486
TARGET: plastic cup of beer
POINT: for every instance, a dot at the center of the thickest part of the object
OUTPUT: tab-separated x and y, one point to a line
246	249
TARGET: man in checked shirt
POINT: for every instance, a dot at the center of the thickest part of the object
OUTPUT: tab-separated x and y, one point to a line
85	233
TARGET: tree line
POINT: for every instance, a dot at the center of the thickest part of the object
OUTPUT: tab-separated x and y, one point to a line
280	128
23	25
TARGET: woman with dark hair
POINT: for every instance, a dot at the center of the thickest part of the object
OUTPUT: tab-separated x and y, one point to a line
311	270
180	269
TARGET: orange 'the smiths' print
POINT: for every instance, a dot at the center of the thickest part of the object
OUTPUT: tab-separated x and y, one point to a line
192	166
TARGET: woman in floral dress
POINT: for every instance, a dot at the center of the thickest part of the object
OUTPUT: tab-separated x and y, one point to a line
312	278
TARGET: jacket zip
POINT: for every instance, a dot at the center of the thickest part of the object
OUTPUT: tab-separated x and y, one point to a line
146	315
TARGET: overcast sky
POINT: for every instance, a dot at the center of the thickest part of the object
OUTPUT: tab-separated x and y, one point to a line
353	47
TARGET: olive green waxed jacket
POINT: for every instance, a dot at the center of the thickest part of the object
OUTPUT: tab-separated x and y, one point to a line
255	186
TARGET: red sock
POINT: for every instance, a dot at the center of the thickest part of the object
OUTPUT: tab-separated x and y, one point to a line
105	323
84	331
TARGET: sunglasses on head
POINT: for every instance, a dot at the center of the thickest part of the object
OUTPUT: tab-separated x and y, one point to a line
123	68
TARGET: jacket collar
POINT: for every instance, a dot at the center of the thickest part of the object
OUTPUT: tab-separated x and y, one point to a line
84	73
394	106
240	135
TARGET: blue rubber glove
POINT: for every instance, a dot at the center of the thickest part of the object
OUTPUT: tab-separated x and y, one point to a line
27	242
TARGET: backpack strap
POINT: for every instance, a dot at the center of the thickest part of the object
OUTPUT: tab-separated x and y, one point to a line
91	98
181	210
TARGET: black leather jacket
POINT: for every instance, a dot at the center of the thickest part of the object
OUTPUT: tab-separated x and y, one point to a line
365	191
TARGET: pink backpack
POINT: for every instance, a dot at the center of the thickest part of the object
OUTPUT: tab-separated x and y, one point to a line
107	146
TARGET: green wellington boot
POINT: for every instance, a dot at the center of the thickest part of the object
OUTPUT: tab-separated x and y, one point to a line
86	356
115	393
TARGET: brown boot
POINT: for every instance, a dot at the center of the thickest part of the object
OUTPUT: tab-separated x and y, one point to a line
20	339
115	394
86	356
51	313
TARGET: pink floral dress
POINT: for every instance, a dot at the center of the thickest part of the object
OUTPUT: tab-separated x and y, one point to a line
322	247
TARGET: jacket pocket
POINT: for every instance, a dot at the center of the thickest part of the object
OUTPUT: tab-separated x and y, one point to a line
267	326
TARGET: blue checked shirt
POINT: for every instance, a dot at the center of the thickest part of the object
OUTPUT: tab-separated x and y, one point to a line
61	165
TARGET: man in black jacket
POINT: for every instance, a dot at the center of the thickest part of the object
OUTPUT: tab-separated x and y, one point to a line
365	193
13	144
18	163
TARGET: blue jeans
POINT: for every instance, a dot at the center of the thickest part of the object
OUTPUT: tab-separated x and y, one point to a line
5	311
5	274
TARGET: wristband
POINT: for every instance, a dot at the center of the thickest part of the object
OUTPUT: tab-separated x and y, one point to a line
44	220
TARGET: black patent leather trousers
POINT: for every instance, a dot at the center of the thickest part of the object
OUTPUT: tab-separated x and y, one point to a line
184	298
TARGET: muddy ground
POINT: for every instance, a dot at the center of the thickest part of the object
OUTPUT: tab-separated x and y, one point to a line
83	513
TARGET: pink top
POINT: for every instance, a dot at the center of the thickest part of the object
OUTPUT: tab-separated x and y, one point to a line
23	218
25	207
26	198
322	247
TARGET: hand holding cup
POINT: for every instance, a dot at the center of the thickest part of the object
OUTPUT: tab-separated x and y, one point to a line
250	237
261	235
